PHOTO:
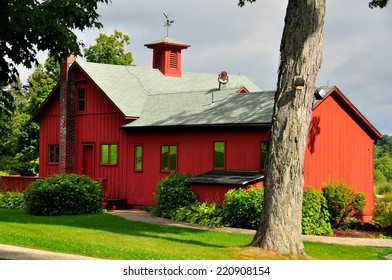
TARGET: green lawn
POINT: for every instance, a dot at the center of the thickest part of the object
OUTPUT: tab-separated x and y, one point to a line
111	237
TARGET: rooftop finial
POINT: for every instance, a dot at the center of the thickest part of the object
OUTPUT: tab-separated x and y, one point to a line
167	24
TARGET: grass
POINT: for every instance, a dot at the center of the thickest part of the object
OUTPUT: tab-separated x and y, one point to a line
111	237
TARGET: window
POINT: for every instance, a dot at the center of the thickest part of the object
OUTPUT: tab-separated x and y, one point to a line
219	154
81	100
138	157
108	154
264	154
54	151
168	158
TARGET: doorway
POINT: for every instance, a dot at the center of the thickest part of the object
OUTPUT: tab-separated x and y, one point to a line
88	160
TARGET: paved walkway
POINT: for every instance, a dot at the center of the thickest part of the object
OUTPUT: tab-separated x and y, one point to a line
20	253
143	216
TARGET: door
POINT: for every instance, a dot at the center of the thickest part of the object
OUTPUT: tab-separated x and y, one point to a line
88	161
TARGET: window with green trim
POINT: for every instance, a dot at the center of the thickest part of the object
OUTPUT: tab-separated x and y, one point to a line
109	154
138	157
219	154
168	157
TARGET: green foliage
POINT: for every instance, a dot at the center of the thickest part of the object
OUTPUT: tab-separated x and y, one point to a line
383	160
383	168
110	49
33	26
64	194
19	140
315	214
382	214
11	200
242	208
378	4
172	193
343	202
206	214
351	223
383	188
41	82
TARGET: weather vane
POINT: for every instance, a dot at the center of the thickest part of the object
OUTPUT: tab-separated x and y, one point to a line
167	24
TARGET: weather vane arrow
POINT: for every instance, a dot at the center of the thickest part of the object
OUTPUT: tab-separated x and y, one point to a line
167	24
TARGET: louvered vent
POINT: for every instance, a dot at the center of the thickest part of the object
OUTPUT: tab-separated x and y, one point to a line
173	63
158	61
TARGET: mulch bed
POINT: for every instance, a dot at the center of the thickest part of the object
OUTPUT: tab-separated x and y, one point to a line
360	233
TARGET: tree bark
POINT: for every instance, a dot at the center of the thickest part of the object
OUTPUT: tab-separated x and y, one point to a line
301	55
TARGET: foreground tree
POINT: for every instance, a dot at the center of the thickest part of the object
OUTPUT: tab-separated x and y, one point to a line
110	49
29	26
301	57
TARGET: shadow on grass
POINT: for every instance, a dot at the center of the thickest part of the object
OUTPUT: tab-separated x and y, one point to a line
113	224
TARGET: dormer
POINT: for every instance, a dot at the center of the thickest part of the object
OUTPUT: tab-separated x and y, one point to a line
167	56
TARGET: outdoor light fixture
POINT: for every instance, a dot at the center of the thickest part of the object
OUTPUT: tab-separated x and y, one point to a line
320	93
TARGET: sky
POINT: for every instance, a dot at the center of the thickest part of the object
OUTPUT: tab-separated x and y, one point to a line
357	54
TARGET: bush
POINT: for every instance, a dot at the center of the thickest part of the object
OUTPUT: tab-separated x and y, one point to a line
242	208
384	188
11	200
172	193
315	214
343	202
64	194
382	215
206	214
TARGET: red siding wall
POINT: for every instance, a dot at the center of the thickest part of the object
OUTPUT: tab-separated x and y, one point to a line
194	155
339	149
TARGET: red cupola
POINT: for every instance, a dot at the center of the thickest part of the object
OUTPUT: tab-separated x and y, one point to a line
167	55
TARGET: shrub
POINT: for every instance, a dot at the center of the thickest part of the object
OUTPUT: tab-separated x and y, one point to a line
172	193
343	202
384	188
11	200
315	215
64	194
242	208
206	214
382	215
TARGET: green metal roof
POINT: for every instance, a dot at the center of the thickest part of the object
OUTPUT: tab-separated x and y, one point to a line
139	92
225	107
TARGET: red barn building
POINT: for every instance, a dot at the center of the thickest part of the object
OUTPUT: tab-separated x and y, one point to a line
130	126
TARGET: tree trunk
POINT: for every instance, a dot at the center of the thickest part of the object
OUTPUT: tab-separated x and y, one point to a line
301	55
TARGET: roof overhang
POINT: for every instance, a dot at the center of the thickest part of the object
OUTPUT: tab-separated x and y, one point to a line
228	177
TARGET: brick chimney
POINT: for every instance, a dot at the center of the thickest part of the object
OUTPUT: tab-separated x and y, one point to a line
167	56
67	117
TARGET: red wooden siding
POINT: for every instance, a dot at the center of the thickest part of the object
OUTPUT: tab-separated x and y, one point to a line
16	183
194	155
339	149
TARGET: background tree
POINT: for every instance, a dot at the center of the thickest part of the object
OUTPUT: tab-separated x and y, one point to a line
110	49
300	59
383	160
